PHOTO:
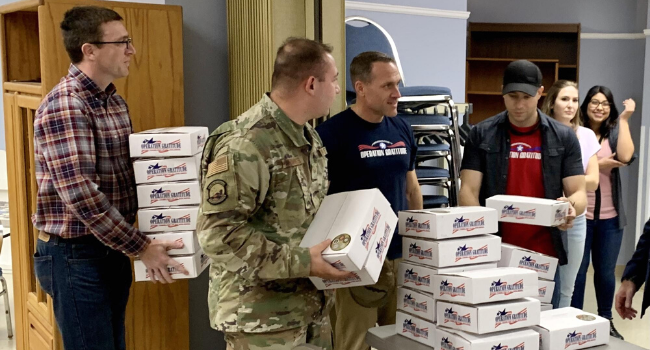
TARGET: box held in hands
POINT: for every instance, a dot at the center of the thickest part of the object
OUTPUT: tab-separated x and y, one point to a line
529	210
448	222
168	142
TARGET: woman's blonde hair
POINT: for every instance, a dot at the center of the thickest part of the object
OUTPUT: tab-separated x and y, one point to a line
549	101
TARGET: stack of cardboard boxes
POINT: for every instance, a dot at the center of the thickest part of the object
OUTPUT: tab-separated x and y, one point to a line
494	308
436	242
531	211
167	172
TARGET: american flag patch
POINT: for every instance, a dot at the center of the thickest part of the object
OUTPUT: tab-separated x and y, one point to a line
219	165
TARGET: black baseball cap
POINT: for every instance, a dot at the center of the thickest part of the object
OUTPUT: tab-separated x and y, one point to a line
522	76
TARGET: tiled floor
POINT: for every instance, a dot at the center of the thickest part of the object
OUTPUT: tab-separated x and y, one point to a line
635	331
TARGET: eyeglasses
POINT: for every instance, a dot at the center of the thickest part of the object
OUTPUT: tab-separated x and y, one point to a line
595	103
128	42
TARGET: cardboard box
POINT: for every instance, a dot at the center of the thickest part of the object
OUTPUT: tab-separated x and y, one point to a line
545	289
448	222
416	303
371	270
489	317
418	277
452	252
189	239
484	286
194	264
169	193
167	169
546	307
168	142
529	210
569	328
352	220
513	256
167	219
415	328
452	339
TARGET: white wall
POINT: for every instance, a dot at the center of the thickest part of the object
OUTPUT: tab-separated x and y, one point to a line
431	47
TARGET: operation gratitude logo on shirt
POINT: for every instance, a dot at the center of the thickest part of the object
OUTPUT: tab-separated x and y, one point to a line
363	155
382	148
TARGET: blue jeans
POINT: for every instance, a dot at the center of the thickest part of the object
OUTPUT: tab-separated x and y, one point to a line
603	242
89	285
576	237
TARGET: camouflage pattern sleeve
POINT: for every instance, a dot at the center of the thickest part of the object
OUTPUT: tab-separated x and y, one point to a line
235	186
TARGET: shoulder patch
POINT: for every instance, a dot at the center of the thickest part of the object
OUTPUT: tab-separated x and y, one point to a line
217	191
218	165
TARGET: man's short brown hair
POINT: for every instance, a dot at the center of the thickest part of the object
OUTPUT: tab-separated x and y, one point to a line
361	66
298	59
83	24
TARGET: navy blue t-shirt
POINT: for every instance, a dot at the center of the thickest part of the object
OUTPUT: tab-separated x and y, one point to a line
363	155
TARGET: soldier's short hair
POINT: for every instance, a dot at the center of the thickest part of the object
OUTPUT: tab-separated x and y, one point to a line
298	59
361	66
83	24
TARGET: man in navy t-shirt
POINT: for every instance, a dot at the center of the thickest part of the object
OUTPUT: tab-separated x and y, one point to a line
367	147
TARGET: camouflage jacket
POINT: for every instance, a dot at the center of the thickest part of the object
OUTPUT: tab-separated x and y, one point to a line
263	179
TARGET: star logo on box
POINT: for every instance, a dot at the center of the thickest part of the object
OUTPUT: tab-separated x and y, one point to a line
153	145
510	211
409	326
449	289
452	316
165	171
445	344
416	250
383	242
370	229
410	301
527	262
542	292
412	277
161	194
200	140
413	225
503	288
576	338
168	221
508	317
465	252
462	224
521	346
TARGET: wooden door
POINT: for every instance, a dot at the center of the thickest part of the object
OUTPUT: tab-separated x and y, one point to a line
33	306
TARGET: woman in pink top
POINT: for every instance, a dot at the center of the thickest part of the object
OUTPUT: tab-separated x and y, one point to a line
605	213
562	104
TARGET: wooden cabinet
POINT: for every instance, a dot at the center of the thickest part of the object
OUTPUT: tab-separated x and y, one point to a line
34	61
555	48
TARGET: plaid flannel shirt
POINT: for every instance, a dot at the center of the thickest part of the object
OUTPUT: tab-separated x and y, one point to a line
85	177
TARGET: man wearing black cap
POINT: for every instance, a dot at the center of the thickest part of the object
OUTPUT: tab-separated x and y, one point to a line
524	152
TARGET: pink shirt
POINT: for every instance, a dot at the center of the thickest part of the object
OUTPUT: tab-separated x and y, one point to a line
607	210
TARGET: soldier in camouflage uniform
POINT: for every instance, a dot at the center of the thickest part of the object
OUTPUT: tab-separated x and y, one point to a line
264	177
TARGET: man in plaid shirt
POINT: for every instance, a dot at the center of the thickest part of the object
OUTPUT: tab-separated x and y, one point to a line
86	202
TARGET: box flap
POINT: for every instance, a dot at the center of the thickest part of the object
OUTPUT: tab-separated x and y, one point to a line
532	200
525	250
567	317
494	272
174	130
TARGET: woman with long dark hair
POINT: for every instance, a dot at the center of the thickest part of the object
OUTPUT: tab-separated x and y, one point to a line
562	104
605	213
